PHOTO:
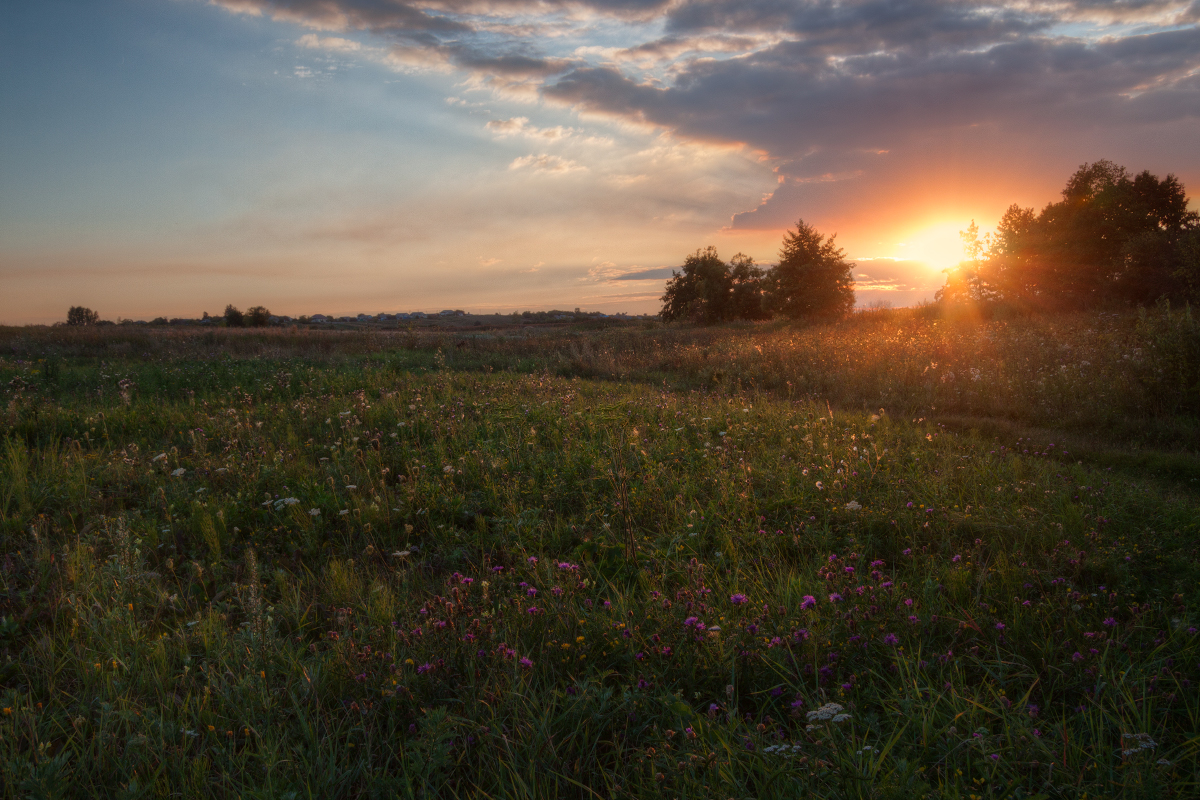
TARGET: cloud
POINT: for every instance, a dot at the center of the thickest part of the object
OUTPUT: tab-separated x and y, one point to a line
546	163
520	126
487	262
830	93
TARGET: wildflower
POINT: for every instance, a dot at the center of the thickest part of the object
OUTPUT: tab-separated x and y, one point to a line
891	639
827	711
178	472
820	486
994	756
526	663
999	626
956	559
738	599
835	598
532	560
808	602
343	512
853	505
1110	622
314	512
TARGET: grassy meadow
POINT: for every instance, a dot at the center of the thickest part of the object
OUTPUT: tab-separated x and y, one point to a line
900	556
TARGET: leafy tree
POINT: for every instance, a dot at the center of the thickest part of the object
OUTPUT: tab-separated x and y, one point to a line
1112	238
812	279
257	317
80	315
746	291
966	283
233	317
701	292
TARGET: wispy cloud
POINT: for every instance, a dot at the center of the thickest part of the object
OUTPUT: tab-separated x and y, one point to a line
546	163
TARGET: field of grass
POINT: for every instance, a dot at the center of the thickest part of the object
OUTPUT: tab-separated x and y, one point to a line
897	557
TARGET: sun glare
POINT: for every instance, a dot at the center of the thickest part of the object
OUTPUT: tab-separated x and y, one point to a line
937	246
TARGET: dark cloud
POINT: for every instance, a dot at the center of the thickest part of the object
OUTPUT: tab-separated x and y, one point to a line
646	274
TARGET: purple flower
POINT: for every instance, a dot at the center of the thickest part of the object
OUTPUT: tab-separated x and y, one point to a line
532	560
532	592
994	756
526	663
808	602
956	559
738	599
999	626
1110	622
835	597
908	551
798	703
534	610
690	621
891	639
424	668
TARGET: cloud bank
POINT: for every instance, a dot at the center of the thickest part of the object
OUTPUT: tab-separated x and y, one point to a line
820	88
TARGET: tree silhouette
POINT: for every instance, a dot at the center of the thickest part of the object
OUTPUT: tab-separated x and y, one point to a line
233	317
1113	238
812	279
701	292
257	317
80	315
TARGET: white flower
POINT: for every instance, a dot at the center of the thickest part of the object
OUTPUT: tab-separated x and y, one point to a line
178	472
853	505
827	711
820	485
158	457
841	718
314	512
343	512
351	485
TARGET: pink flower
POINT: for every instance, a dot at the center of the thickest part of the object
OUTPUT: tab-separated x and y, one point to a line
738	599
808	602
835	597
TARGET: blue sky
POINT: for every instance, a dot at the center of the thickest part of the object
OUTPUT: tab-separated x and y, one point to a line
339	156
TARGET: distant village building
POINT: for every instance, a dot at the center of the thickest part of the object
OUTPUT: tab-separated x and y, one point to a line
319	318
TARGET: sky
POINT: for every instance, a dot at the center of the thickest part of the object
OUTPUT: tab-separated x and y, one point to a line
169	157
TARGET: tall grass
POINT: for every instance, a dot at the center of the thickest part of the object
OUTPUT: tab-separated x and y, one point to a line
376	572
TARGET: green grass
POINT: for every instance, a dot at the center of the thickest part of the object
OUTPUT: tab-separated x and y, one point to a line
340	565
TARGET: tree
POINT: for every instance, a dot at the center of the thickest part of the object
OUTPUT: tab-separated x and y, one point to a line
812	279
80	315
746	289
233	317
257	317
1114	238
701	292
